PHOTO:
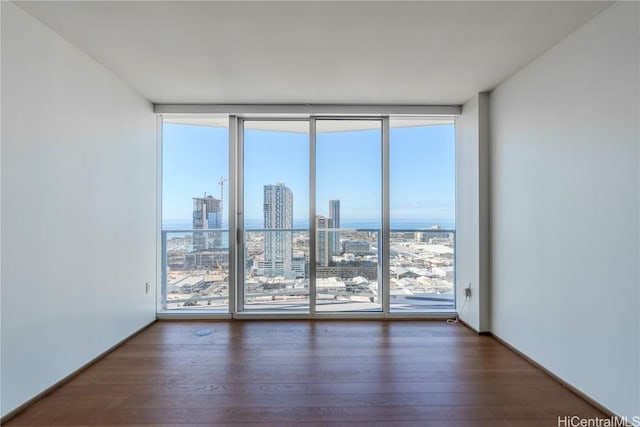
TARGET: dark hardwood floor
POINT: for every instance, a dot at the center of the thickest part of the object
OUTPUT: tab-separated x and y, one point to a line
371	373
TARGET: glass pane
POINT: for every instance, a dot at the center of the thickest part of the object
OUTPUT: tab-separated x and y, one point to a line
276	215
422	214
348	220
197	278
195	170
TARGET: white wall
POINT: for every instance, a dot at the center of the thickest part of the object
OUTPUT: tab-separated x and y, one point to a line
78	209
565	209
472	213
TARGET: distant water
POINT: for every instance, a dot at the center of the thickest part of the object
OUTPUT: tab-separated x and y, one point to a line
178	224
408	224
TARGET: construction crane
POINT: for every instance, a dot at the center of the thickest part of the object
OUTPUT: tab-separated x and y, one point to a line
221	182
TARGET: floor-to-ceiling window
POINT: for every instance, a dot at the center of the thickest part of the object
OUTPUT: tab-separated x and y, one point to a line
329	215
422	209
348	214
275	215
195	212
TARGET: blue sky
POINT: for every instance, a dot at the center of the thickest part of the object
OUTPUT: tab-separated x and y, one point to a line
422	165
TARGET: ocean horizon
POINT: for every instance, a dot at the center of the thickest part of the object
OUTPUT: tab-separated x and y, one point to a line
399	224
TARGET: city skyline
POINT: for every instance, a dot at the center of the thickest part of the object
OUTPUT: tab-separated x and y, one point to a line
277	261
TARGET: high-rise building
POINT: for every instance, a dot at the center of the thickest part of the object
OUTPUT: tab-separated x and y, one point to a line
322	240
334	222
278	245
207	214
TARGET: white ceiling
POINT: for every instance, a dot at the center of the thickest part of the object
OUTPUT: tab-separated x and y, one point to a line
313	52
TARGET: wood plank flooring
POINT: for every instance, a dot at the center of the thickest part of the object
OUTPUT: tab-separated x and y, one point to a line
261	373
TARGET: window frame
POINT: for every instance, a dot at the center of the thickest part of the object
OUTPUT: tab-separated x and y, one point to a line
235	212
